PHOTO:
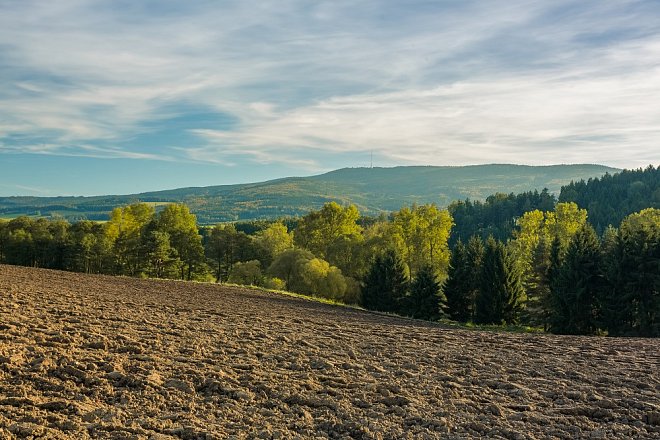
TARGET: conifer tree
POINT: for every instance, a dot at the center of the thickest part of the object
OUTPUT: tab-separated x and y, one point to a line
615	315
576	286
501	295
474	260
456	287
426	300
637	299
386	284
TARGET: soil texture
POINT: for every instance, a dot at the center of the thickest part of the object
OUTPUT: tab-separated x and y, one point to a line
85	356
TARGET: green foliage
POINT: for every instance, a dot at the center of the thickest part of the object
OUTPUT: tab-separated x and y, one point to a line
304	273
496	216
456	287
272	241
318	230
225	246
289	266
425	300
181	226
531	248
463	281
247	273
501	296
323	280
386	284
125	229
420	235
162	259
632	306
576	286
612	197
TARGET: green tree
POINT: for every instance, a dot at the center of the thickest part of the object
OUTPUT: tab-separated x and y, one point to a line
319	229
124	230
456	287
421	234
386	284
323	280
162	259
181	226
272	241
225	246
577	285
501	295
634	273
289	267
531	247
247	273
426	300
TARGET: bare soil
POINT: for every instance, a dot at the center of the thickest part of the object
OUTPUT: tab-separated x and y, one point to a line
100	357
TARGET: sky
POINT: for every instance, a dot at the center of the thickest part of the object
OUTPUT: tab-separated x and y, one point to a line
117	97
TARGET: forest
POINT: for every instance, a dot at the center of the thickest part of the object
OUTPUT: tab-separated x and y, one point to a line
527	259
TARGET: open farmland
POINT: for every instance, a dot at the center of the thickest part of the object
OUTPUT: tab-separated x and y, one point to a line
92	356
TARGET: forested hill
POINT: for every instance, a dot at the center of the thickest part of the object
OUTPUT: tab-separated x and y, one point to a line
373	190
610	198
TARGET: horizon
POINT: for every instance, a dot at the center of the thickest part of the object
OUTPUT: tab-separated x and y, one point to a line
317	175
133	97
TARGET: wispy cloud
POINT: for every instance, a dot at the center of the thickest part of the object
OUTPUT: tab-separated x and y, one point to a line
417	82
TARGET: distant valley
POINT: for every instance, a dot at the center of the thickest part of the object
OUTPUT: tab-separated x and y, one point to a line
372	190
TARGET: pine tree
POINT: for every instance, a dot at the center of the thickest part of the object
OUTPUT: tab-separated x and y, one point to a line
386	284
577	285
426	300
501	295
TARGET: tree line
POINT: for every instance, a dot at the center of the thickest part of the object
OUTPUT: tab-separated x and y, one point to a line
547	267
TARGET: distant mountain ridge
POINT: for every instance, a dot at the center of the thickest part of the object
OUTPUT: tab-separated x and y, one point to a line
372	190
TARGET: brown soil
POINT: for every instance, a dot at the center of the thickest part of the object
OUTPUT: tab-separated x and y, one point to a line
91	356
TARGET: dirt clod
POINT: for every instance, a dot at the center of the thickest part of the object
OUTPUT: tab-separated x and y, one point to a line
117	358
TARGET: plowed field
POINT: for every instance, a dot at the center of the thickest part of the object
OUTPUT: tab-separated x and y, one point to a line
99	357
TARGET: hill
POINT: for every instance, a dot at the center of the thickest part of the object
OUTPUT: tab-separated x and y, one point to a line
373	190
612	197
85	356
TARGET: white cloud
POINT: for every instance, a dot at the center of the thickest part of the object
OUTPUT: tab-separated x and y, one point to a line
505	81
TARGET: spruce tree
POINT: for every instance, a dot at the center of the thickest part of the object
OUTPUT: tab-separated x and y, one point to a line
556	257
426	300
501	294
457	285
615	315
475	256
639	270
386	284
577	285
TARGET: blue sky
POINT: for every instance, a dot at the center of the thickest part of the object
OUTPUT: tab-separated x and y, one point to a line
114	97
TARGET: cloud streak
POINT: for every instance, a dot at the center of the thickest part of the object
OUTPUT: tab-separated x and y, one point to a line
422	82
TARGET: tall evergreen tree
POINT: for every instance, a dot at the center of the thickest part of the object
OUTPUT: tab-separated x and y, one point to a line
615	315
501	294
636	277
386	284
576	286
463	279
456	287
426	300
475	255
